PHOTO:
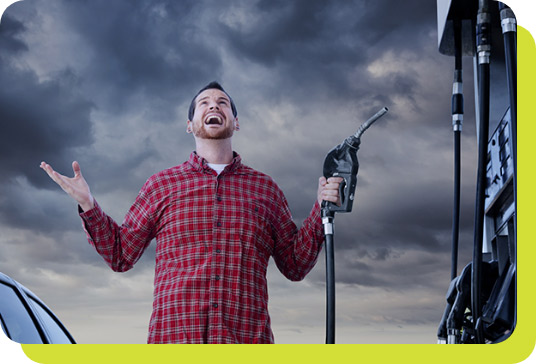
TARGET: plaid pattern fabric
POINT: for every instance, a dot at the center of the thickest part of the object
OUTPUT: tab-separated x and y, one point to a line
214	237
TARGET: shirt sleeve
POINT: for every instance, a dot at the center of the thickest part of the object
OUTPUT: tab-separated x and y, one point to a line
121	246
296	250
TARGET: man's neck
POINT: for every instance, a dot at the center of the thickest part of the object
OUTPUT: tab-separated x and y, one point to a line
217	151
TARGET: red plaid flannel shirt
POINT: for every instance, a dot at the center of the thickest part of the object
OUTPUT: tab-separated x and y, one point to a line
214	237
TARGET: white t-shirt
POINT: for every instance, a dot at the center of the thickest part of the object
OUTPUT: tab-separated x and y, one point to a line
217	167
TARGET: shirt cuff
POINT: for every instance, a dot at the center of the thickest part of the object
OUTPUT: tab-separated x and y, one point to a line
316	219
90	218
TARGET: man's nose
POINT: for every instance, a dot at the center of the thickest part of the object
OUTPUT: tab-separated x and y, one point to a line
214	105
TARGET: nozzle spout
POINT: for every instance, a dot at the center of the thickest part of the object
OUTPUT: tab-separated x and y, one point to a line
369	122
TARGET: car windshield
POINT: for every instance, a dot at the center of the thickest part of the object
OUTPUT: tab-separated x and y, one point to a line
56	333
18	323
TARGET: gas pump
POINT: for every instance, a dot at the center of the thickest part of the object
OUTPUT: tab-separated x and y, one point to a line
481	301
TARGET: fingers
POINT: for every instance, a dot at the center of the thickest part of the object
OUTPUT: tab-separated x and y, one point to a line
76	169
55	176
61	180
335	180
328	189
47	168
322	181
75	187
331	195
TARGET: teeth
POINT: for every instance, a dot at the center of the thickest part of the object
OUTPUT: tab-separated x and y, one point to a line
213	120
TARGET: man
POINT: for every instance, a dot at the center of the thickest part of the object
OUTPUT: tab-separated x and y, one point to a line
216	223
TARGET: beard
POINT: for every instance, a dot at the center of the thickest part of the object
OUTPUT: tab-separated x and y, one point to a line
201	132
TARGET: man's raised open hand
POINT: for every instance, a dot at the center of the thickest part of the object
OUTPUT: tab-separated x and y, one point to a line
75	187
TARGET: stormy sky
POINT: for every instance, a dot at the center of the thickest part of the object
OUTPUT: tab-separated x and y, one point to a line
108	83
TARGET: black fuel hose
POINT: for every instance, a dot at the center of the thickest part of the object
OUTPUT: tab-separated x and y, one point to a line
509	28
483	53
457	122
330	290
327	221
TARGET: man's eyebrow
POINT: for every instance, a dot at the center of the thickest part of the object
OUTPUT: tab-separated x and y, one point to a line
219	98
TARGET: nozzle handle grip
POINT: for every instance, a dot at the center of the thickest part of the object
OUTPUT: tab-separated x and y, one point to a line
346	193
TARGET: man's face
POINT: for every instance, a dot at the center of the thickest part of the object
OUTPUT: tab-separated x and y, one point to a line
213	117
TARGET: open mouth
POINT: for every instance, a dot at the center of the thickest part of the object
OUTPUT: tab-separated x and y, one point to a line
213	120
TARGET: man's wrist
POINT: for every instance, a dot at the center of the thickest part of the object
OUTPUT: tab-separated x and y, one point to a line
88	205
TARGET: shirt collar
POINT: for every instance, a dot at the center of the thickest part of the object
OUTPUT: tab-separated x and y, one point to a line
200	164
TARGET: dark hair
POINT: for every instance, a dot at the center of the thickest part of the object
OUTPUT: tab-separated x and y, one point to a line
211	85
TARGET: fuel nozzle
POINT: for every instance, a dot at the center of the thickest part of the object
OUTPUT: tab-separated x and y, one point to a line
356	138
341	161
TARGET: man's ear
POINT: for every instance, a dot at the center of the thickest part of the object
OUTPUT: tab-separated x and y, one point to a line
237	126
188	126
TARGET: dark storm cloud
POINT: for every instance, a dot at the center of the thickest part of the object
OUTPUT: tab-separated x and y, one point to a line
40	119
313	45
22	207
419	219
152	47
10	28
307	33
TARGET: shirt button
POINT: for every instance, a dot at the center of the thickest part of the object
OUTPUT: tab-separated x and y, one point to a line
219	198
218	251
217	277
215	305
218	223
